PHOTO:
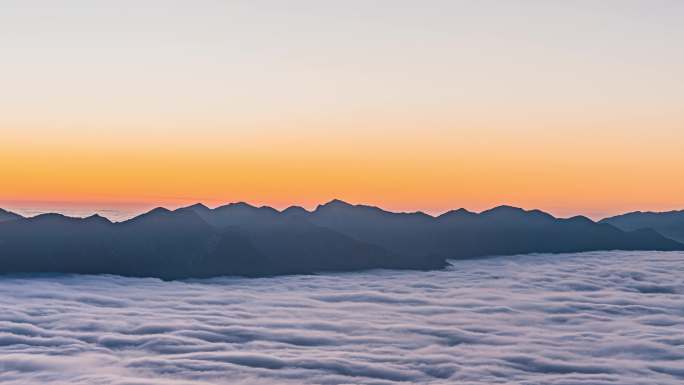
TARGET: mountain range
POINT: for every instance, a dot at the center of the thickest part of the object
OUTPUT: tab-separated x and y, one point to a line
240	239
668	223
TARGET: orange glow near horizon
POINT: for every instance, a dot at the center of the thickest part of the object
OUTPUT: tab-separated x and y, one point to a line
445	168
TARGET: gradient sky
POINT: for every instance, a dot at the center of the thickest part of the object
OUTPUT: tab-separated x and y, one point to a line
569	106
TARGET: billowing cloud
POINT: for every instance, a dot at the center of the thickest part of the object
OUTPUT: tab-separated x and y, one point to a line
592	318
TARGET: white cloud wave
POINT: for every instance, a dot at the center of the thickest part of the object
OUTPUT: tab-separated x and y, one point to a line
593	318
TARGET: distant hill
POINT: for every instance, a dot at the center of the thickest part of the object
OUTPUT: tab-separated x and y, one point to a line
669	223
503	230
240	239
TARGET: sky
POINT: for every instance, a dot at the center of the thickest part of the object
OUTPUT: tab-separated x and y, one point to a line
574	107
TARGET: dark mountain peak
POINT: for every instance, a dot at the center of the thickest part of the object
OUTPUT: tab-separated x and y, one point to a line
503	209
418	214
198	209
295	210
511	211
243	208
334	204
579	219
337	206
162	218
60	219
97	218
49	217
460	213
236	205
269	209
197	206
154	214
158	211
238	214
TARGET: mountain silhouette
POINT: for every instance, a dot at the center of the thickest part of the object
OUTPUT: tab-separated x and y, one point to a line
241	239
503	230
668	223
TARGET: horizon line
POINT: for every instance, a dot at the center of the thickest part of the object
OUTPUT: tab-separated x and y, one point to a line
102	212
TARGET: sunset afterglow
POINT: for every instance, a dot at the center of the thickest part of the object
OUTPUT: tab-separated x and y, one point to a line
570	107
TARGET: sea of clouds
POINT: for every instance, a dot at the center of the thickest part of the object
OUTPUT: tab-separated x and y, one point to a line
594	318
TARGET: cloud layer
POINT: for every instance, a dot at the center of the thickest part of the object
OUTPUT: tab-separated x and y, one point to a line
592	318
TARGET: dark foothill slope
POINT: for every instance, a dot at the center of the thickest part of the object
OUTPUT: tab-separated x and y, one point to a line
240	239
668	223
503	230
8	216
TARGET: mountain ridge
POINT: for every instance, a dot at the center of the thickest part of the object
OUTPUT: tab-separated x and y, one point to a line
668	223
241	239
